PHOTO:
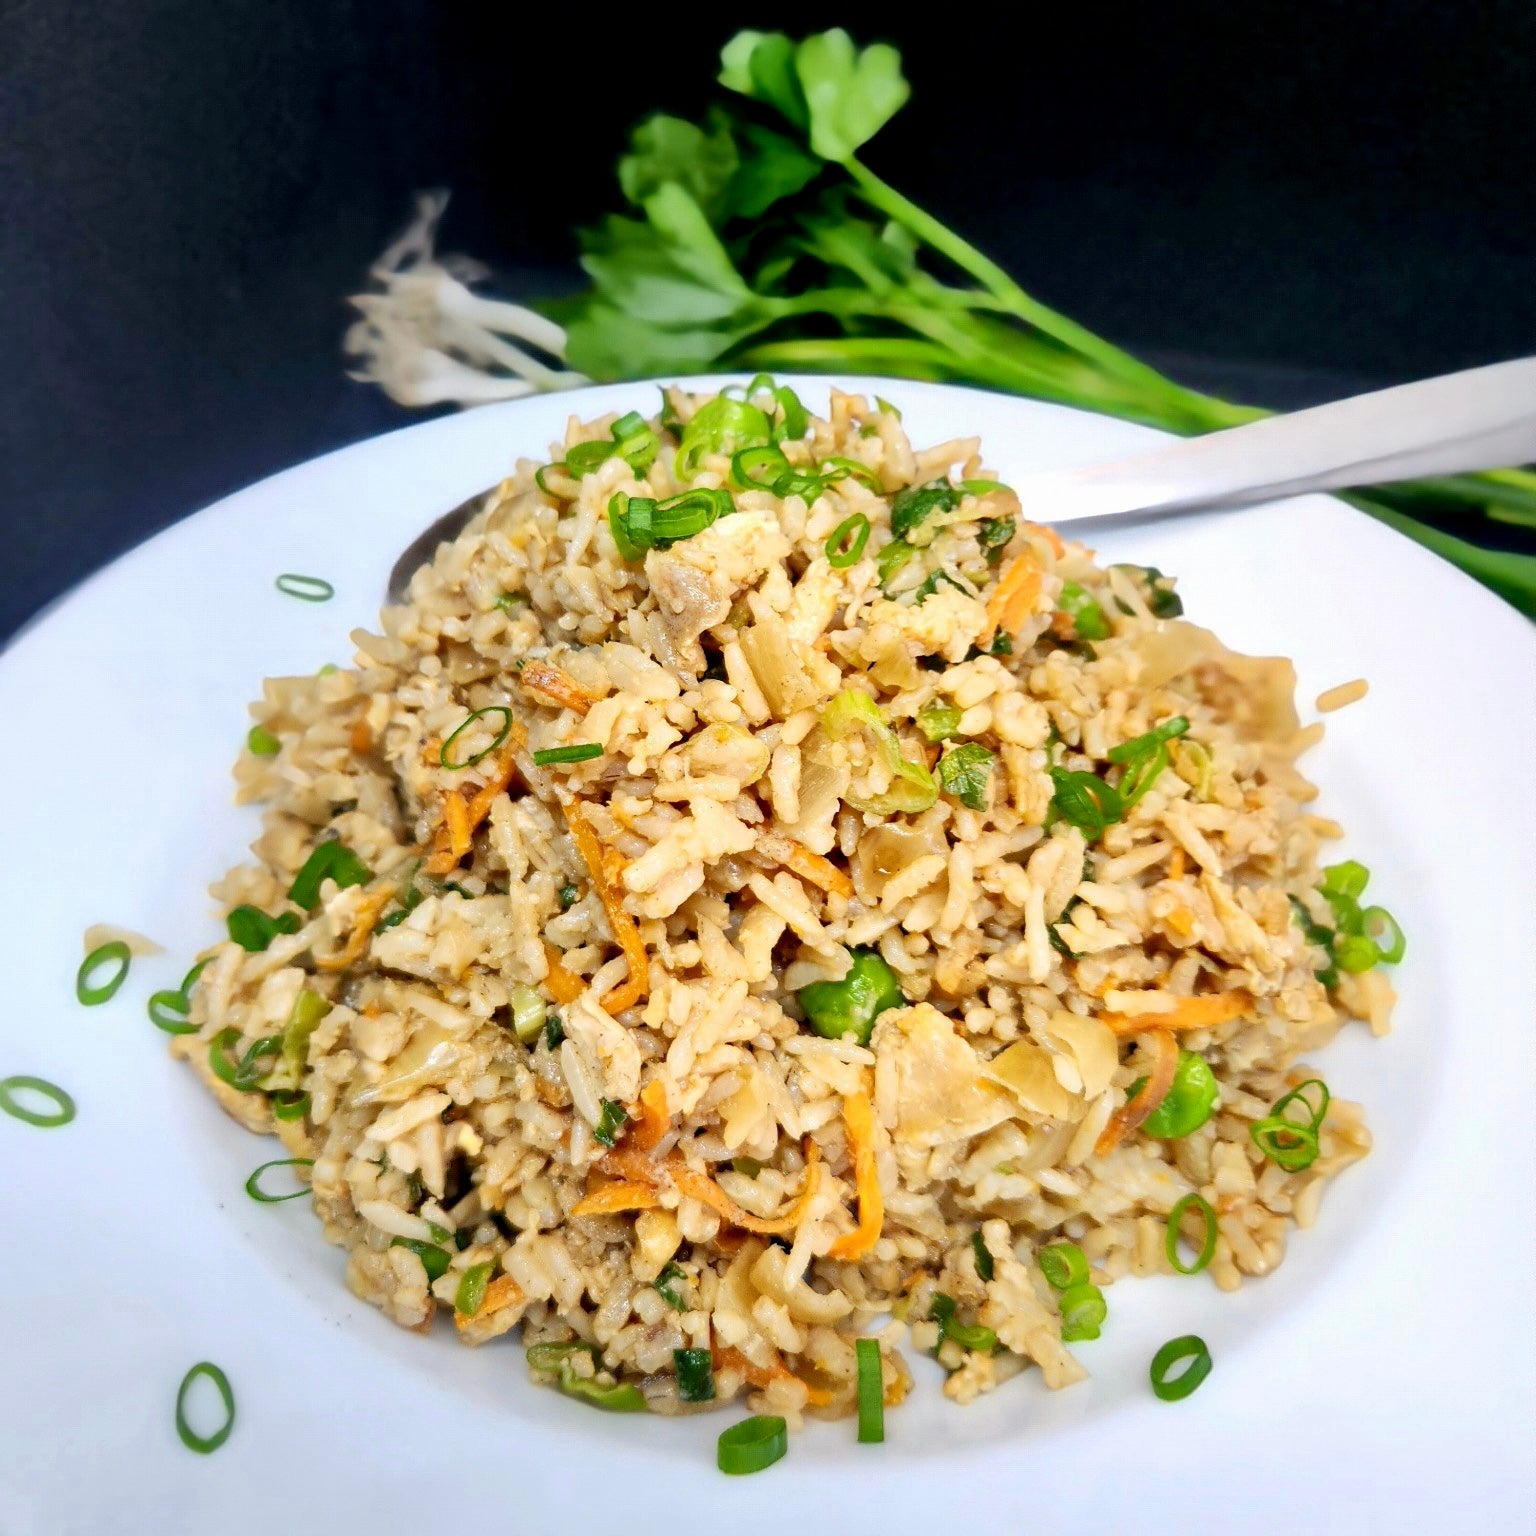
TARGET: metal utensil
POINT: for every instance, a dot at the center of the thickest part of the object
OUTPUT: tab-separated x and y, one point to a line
1482	418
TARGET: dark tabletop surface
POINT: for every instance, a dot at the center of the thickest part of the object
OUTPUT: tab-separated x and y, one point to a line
1281	203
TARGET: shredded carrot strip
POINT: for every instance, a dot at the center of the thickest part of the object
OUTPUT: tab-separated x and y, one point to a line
1189	1013
557	686
651	1125
1176	864
1013	597
821	872
565	986
631	1164
619	1196
760	1376
859	1119
503	1291
1050	536
368	910
605	877
460	818
700	1187
361	740
1131	1114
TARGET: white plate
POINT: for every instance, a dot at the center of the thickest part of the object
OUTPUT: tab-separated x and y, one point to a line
1385	1371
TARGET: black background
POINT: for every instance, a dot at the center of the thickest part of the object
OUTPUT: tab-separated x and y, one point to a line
1281	201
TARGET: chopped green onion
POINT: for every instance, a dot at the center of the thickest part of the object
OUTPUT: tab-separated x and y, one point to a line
966	773
242	1075
721	426
1354	952
984	1265
695	1375
1383	921
260	742
331	860
930	585
554	1032
543	484
1083	1310
438	1233
1189	1102
966	1335
434	1260
751	1445
915	504
529	1011
63	1110
470	1296
622	1397
1002	645
1086	801
891	559
1063	1265
1347	879
995	534
1086	614
510	600
308	589
667	1284
327	669
308	1009
850	1006
577	752
747	1167
1164	602
836	467
1292	1146
168	1011
1171	1235
760	468
1140	746
253	930
639	523
256	1192
568	894
464	725
1171	1388
887	408
115	953
288	1104
871	1376
938	722
845	544
550	1356
610	1123
205	1445
912	788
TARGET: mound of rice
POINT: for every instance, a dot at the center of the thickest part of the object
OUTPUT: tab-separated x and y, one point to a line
554	1039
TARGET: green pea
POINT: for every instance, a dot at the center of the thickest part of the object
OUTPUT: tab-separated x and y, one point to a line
1190	1101
850	1006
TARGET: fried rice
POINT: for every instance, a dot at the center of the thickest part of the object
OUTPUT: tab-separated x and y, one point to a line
542	1025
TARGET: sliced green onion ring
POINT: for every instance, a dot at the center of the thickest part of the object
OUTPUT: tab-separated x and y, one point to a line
61	1114
836	467
577	752
464	725
1165	1384
1063	1265
168	1011
288	1104
205	1444
1379	924
1083	1310
985	1268
550	1355
434	1260
1171	1236
751	1445
621	1397
470	1296
115	953
308	589
256	1192
871	1391
845	544
260	742
1292	1146
760	468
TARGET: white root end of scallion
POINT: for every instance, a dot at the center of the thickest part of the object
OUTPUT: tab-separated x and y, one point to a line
427	339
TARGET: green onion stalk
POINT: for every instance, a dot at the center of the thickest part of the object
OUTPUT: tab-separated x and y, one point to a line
757	237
